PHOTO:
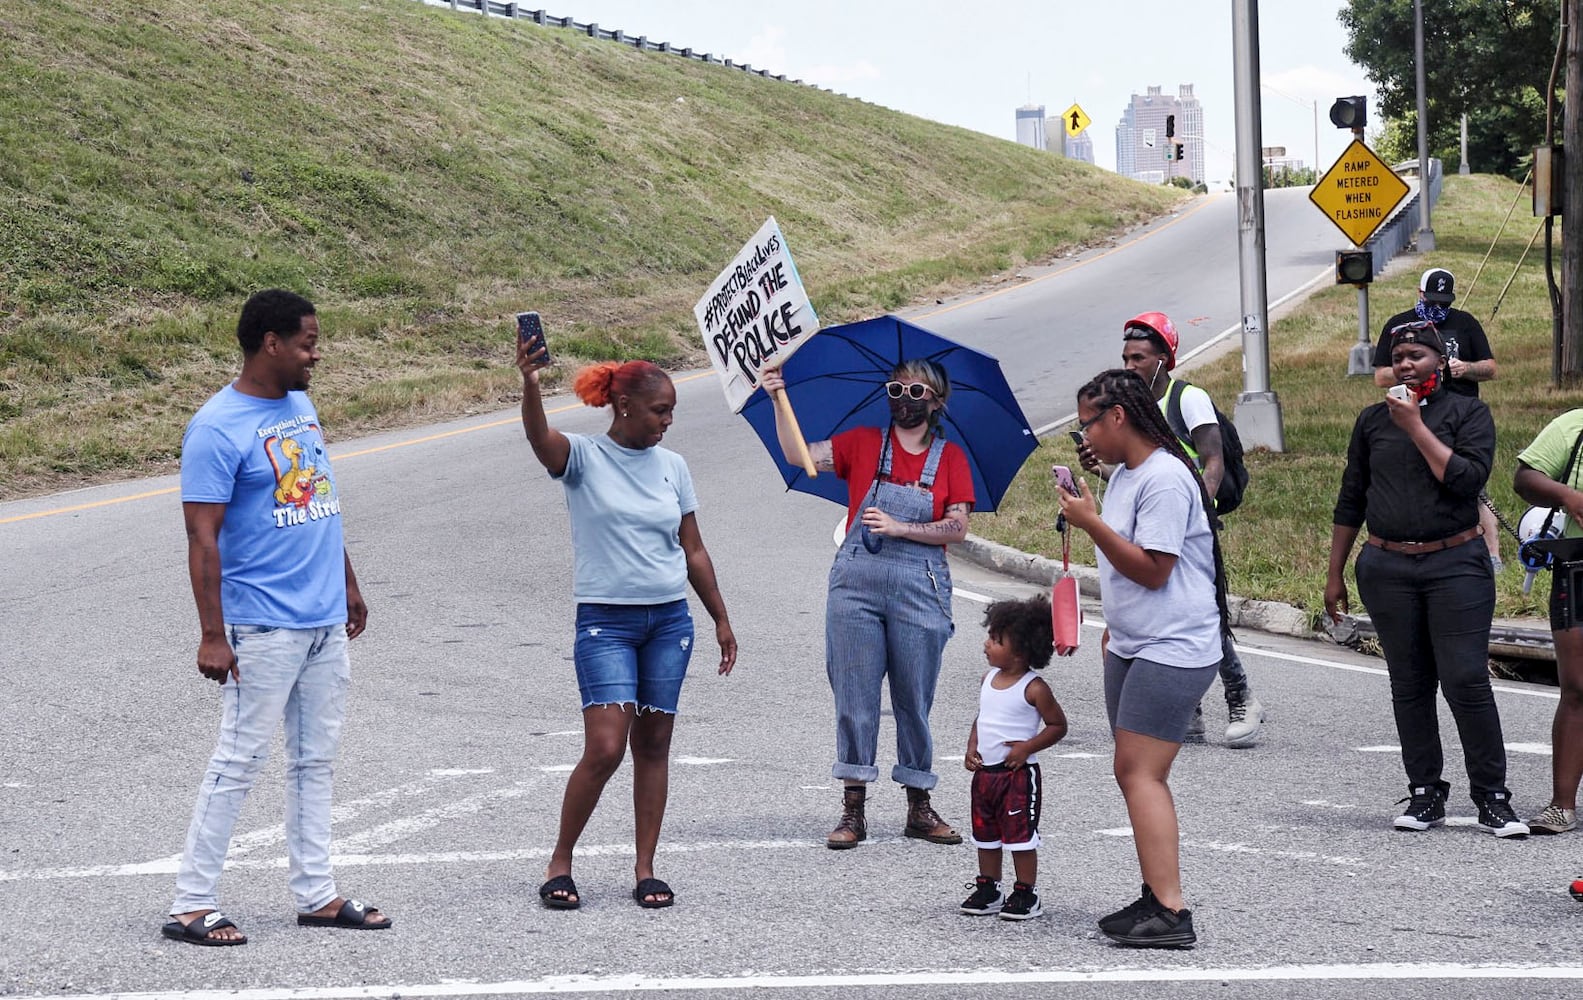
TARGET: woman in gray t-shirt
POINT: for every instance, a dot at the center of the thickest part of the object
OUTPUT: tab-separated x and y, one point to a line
1163	589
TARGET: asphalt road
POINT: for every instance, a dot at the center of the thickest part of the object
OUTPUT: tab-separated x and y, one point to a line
464	721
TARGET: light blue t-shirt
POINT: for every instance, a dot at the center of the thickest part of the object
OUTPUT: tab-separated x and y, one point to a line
1158	506
282	556
627	507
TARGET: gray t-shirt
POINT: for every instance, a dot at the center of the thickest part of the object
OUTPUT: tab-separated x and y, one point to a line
626	507
1158	506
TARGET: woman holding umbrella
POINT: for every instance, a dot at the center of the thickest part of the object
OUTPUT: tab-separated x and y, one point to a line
888	614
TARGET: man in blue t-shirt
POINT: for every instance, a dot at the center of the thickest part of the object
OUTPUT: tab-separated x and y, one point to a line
277	603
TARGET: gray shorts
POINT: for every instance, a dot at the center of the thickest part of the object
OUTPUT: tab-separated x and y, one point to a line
1154	699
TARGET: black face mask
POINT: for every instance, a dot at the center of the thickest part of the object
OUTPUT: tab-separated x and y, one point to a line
909	413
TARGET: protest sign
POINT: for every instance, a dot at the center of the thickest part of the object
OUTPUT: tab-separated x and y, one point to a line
755	314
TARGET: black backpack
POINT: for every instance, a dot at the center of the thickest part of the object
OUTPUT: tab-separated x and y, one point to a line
1235	481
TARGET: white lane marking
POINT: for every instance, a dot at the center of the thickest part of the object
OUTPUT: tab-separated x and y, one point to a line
699	761
1539	749
972	596
168	866
447	772
1327	804
387	833
1379	671
1542	749
968	978
557	768
1231	847
815	788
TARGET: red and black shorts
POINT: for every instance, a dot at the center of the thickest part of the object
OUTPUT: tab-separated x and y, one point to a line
1006	807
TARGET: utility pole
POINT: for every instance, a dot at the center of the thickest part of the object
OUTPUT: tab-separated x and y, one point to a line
1258	412
1426	232
1463	167
1571	281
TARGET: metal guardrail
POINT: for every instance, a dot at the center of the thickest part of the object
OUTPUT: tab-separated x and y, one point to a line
1401	229
517	11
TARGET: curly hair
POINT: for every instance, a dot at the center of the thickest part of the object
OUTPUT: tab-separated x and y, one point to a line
599	383
1126	389
274	310
1025	626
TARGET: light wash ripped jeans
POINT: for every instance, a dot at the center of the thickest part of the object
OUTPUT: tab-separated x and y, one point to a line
299	676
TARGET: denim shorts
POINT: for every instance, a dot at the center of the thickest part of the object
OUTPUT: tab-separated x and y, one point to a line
633	654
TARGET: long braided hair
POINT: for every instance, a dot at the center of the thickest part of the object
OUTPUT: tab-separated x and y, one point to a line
1123	388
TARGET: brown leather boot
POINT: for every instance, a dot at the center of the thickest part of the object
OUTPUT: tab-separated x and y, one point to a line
852	828
924	823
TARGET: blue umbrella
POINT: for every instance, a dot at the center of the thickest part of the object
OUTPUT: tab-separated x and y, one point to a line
836	381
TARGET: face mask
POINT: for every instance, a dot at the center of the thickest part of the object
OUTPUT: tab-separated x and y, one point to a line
1432	312
909	413
1427	387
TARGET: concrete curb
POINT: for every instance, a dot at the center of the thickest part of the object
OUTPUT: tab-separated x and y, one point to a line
1507	638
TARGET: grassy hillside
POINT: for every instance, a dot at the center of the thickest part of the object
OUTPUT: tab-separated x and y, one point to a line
422	175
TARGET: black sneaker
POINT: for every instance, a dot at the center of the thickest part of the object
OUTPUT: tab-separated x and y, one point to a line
1157	927
1022	904
986	899
1128	915
1426	807
1496	816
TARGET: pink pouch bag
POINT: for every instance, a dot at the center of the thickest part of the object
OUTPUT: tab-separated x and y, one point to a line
1066	614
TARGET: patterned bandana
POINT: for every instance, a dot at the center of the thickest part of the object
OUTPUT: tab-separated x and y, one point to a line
1432	312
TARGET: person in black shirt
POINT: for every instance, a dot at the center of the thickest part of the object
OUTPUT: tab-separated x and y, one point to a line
1415	466
1469	360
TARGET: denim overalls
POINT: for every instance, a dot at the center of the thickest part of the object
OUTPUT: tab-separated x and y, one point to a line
888	614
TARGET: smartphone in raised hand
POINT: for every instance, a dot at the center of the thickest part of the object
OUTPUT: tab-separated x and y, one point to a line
530	331
1063	478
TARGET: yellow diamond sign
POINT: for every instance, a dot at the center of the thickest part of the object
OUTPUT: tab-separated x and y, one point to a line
1359	192
1075	120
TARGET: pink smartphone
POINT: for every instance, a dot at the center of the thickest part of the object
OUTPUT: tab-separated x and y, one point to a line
1063	476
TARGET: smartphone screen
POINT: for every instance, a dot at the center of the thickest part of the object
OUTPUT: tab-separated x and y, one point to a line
1063	476
530	330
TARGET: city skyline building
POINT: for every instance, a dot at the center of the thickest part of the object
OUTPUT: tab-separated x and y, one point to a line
1141	140
1030	126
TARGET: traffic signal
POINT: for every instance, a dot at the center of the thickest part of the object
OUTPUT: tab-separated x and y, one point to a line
1354	267
1350	112
1178	150
1170	126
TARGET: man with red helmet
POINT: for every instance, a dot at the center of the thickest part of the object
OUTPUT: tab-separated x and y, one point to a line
1148	349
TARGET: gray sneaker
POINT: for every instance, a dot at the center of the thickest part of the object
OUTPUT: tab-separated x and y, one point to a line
1245	723
1554	819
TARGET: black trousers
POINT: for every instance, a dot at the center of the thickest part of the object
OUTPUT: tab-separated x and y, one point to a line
1432	613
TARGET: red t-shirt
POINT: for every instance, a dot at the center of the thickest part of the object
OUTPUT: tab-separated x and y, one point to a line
856	454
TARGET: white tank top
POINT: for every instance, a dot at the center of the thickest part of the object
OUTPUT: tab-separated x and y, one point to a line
1005	715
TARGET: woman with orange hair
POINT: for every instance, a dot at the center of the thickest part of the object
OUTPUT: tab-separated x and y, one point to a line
636	547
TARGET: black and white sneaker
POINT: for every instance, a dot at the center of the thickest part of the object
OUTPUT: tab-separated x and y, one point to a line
1157	927
986	899
1022	904
1426	808
1128	915
1496	816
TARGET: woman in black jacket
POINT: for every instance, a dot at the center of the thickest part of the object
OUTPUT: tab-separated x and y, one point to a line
1415	466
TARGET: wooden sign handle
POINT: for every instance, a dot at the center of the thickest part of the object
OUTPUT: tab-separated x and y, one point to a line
784	408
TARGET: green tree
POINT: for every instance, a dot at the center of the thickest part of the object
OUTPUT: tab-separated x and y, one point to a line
1489	59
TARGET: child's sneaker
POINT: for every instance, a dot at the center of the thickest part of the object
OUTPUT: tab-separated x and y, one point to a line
1022	904
986	899
1577	889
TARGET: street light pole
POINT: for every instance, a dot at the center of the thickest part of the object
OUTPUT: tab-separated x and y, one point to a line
1258	412
1426	232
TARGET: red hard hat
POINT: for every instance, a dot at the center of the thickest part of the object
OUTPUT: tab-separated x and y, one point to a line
1161	326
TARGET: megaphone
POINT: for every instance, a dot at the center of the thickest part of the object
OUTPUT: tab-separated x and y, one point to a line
1531	528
